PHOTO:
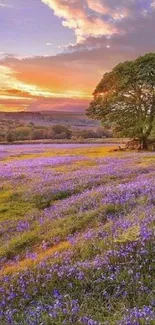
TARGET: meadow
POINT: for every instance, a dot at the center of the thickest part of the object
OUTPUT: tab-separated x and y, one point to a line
77	235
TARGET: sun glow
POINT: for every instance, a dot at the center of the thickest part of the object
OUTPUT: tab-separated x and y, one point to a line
18	93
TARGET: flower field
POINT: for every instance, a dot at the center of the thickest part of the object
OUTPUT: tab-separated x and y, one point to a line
77	235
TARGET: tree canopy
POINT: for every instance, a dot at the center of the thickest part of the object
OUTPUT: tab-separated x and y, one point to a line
125	99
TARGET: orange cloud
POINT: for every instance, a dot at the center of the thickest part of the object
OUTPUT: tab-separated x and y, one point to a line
27	83
66	75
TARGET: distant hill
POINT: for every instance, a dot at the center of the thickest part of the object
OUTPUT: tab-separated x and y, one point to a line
47	118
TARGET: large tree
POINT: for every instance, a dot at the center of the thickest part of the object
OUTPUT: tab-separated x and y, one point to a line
125	99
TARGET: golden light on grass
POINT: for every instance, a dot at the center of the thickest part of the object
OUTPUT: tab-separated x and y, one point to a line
91	152
28	262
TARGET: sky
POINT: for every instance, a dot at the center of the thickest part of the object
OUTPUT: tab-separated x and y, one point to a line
53	53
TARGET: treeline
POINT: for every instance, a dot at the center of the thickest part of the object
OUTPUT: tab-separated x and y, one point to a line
11	131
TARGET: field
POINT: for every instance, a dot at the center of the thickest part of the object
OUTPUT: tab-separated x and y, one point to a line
48	126
72	119
77	235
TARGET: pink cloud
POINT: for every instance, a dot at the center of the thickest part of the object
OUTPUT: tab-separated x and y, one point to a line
77	16
102	7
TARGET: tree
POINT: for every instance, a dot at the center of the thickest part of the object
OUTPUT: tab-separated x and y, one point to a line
22	133
38	134
61	132
124	100
10	137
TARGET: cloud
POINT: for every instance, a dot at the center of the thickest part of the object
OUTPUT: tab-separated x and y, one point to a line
64	75
116	9
4	5
9	82
44	83
59	104
62	82
77	15
69	79
98	18
153	4
49	44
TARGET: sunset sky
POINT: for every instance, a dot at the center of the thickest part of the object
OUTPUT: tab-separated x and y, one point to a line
54	52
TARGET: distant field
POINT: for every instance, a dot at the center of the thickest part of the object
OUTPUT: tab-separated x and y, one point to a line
77	235
29	126
93	141
72	119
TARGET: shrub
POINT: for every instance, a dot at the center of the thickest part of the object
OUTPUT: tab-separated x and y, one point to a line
10	137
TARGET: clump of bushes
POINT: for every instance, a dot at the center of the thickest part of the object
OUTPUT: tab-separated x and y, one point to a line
17	131
31	132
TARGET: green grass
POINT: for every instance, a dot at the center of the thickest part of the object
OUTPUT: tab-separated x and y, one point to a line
18	244
13	206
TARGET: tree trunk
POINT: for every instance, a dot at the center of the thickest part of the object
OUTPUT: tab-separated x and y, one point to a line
143	144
